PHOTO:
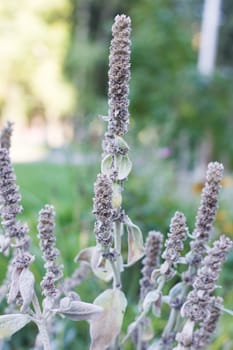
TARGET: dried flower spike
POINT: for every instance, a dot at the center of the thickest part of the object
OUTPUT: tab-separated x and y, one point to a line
208	208
151	261
199	305
202	336
119	75
103	210
5	136
196	307
10	198
174	242
47	238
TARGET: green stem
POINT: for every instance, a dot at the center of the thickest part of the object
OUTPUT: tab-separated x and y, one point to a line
36	305
170	323
116	275
44	335
115	346
117	235
41	324
139	336
116	265
118	227
135	325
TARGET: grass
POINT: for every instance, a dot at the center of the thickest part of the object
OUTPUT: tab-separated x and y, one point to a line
70	189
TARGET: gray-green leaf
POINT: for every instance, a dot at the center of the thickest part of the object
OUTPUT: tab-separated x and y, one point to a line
26	287
135	242
10	324
123	166
107	165
77	310
100	266
105	328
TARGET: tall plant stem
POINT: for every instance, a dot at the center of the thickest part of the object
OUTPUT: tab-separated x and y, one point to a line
116	265
41	324
118	228
116	275
136	323
174	319
139	342
170	323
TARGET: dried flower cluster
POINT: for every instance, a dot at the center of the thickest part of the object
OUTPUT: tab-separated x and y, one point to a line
10	199
150	262
174	243
16	232
119	75
47	239
202	336
103	210
5	136
208	208
200	301
118	87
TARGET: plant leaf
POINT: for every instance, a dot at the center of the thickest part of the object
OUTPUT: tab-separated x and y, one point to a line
85	255
100	266
26	287
124	166
107	326
14	287
121	143
151	297
107	165
77	310
10	324
135	242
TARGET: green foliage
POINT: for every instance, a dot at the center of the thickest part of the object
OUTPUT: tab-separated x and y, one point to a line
70	191
33	41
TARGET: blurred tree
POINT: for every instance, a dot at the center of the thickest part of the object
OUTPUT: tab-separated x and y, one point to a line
167	90
33	41
225	52
170	103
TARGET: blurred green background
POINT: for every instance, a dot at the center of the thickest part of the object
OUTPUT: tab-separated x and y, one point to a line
53	85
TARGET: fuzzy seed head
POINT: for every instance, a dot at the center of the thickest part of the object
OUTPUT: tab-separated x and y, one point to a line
150	262
5	136
10	198
47	239
208	208
176	236
202	336
197	306
103	209
119	75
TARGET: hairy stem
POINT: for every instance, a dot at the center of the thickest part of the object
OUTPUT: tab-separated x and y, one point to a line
170	323
116	275
41	324
44	335
117	242
135	325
